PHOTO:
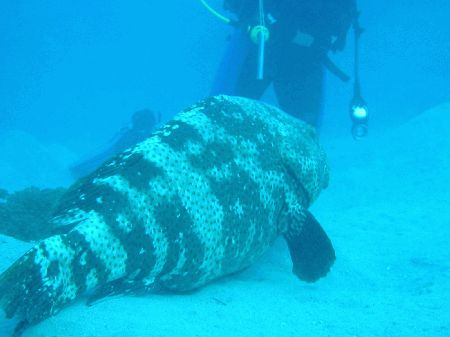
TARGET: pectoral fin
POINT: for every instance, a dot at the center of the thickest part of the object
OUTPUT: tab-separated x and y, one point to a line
311	250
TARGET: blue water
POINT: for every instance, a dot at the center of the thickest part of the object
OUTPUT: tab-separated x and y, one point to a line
72	73
68	67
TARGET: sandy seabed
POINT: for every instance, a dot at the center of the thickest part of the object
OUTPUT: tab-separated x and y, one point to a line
387	211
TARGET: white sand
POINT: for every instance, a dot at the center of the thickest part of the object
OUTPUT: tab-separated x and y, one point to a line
387	212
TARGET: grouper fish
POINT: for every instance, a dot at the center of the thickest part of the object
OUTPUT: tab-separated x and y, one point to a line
204	196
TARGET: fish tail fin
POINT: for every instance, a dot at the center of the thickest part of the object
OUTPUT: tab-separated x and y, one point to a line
10	327
16	287
35	286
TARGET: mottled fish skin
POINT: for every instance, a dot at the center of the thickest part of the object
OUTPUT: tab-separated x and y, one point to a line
203	197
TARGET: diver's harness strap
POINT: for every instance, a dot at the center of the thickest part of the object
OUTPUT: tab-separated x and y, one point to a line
322	52
305	40
326	61
334	69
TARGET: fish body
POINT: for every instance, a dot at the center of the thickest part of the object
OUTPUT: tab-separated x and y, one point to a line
204	196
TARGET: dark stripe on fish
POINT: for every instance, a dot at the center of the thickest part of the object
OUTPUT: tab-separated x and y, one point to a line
175	220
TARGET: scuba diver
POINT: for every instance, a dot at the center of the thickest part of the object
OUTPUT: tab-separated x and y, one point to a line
297	35
143	122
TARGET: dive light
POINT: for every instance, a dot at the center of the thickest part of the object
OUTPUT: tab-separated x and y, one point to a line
359	115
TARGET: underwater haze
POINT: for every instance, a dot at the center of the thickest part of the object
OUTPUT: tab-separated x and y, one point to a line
73	73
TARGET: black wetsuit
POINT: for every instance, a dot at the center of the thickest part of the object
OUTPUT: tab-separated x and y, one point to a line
301	34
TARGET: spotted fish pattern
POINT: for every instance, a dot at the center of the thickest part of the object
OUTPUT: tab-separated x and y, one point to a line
204	196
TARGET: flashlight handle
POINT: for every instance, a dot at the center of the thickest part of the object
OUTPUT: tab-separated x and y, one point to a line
261	47
357	34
